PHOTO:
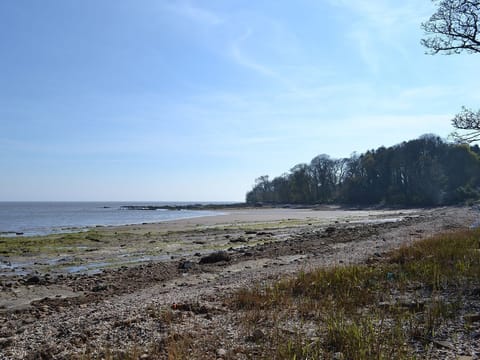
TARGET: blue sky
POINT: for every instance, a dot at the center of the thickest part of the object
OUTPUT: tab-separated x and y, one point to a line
192	100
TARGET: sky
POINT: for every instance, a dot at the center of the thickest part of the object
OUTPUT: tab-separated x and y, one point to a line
186	100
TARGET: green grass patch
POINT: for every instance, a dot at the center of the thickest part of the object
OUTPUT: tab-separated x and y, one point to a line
366	311
59	243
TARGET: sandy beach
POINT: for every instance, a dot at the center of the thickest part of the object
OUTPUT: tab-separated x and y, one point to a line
229	217
73	294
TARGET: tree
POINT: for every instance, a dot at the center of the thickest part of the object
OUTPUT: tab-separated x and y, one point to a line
454	27
322	172
421	172
468	120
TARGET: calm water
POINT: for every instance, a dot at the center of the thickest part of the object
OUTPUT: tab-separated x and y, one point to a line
41	218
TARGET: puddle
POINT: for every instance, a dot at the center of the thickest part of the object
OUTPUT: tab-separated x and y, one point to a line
8	268
87	268
377	221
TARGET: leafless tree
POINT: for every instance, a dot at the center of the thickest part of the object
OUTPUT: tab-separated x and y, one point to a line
469	121
454	27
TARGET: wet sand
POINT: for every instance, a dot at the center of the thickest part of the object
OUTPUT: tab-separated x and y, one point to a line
260	215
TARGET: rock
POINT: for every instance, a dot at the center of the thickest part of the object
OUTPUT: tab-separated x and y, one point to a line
463	357
4	342
33	280
215	257
185	265
264	233
221	352
330	230
240	239
99	287
256	336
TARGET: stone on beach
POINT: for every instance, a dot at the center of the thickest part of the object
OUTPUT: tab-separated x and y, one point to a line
215	258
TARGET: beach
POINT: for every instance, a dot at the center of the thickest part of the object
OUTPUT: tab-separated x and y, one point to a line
113	246
66	295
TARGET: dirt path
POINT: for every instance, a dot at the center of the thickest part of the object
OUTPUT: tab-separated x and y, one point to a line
143	306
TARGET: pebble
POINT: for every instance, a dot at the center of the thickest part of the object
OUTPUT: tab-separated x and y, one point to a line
221	352
444	344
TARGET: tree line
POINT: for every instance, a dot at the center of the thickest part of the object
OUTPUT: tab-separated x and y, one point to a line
421	172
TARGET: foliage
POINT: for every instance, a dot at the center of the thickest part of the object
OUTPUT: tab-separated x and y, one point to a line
421	172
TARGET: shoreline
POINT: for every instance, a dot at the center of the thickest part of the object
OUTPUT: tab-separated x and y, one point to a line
265	215
56	229
212	209
102	249
98	249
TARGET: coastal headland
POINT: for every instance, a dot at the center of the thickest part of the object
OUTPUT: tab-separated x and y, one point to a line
132	288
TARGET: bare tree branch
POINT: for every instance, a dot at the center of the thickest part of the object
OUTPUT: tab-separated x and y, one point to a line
453	28
466	120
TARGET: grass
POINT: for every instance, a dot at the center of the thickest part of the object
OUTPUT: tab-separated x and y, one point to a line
33	245
154	242
79	242
366	311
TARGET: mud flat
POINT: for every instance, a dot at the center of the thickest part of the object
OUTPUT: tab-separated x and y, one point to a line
115	287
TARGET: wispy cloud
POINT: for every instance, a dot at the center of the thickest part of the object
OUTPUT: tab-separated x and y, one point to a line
428	92
386	13
378	26
395	123
241	58
366	48
186	9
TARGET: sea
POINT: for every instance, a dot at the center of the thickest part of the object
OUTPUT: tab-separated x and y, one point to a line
43	218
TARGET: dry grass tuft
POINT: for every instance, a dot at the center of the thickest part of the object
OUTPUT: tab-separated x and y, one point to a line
366	311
